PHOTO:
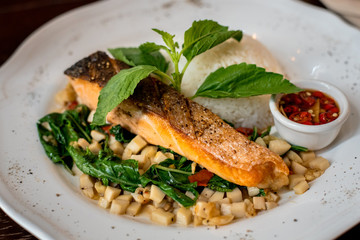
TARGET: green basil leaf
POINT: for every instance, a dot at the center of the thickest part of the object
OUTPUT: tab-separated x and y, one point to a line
171	183
119	88
121	134
53	149
164	150
146	54
204	35
176	194
219	184
243	80
109	168
64	128
261	193
173	178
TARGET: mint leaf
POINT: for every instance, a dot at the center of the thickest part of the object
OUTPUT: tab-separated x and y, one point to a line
122	54
168	39
243	80
121	134
150	47
141	56
204	35
119	88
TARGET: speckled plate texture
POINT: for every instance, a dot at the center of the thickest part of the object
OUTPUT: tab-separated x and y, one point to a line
308	42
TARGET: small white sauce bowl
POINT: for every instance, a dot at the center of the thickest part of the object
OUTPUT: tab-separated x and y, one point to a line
313	137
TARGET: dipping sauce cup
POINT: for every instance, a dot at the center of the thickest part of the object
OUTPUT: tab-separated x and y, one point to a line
313	137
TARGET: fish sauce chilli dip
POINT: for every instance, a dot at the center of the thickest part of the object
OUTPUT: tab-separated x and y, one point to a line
309	107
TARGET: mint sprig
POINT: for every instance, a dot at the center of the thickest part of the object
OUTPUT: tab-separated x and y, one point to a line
242	80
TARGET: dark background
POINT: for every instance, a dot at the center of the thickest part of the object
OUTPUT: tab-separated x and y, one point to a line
18	19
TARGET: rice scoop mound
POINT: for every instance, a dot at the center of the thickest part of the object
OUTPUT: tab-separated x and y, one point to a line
244	112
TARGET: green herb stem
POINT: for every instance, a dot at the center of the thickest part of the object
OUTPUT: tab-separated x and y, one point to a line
299	148
176	76
172	170
88	138
163	75
185	67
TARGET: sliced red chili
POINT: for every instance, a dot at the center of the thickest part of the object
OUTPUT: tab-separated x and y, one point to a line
301	117
326	117
202	177
286	98
334	110
331	116
292	98
322	118
328	106
307	123
318	94
106	128
72	105
246	131
294	116
326	100
308	100
290	109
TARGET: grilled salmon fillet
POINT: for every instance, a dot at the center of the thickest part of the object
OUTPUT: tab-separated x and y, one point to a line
163	116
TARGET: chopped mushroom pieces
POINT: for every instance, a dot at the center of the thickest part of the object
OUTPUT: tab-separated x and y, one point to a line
235	195
162	217
301	187
184	216
133	209
259	203
119	206
86	181
111	193
279	146
319	163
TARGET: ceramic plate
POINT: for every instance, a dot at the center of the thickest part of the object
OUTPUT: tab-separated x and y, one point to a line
308	42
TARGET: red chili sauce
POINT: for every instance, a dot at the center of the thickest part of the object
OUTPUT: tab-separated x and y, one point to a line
309	107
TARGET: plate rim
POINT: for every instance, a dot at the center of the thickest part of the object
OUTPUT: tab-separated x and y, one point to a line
11	212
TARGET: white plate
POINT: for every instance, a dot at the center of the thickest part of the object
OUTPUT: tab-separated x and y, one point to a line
309	43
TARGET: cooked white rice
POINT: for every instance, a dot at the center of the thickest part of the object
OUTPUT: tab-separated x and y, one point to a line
245	112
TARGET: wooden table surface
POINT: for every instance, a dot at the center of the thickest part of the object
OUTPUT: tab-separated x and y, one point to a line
18	19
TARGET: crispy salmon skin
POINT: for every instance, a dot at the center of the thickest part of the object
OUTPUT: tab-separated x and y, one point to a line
163	116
